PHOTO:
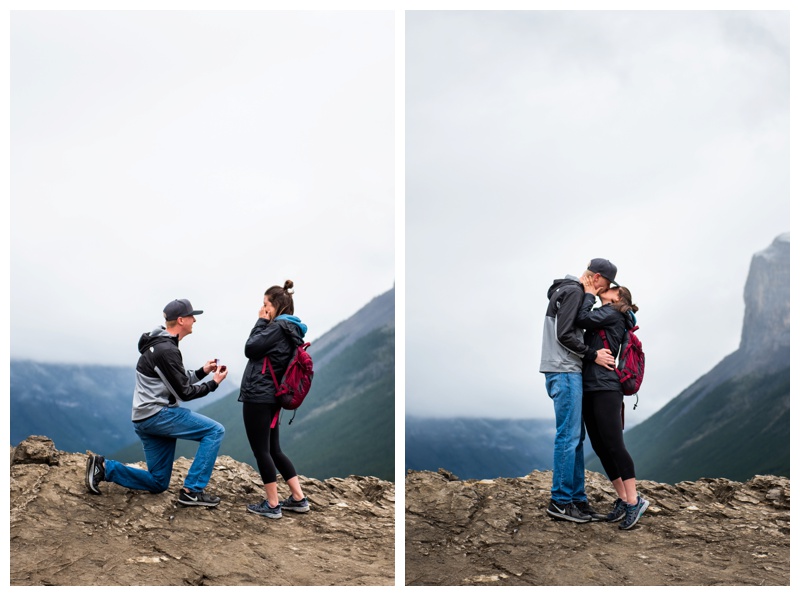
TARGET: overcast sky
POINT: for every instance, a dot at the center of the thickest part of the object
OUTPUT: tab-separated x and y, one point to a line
208	156
536	141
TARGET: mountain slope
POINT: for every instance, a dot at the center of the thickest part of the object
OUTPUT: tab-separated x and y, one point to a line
346	424
78	406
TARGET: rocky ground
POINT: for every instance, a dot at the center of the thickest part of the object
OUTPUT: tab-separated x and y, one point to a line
61	535
713	532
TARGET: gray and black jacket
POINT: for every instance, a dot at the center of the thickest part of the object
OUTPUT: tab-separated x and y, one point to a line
161	378
563	349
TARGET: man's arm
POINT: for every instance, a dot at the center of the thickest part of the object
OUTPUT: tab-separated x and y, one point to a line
581	305
566	334
169	366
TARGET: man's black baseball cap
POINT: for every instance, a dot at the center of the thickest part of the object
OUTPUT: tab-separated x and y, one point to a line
605	268
179	308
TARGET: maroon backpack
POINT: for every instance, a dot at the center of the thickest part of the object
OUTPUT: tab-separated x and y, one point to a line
630	364
296	381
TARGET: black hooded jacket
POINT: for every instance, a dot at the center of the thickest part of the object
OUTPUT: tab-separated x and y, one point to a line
616	325
277	339
161	379
563	346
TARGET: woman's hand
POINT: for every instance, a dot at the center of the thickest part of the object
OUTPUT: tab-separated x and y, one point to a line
588	285
263	314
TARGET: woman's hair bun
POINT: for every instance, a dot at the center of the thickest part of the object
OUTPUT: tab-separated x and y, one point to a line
288	286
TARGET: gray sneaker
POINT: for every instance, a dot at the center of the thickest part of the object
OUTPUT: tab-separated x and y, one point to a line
618	511
633	513
290	504
265	510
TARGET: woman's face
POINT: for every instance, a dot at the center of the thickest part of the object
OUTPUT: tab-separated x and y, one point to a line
610	295
269	309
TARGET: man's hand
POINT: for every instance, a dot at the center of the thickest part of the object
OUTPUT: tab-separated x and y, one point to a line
209	366
605	358
220	375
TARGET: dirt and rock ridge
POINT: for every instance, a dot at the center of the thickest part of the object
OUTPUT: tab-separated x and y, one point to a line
61	535
712	532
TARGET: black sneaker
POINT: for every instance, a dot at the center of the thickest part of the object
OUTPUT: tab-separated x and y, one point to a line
290	504
95	473
265	510
617	513
197	499
586	509
567	511
633	513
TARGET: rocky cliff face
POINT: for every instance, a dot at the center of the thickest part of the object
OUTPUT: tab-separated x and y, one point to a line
766	296
61	535
495	532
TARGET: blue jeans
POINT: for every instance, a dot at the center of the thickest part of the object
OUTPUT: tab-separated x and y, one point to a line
159	435
566	391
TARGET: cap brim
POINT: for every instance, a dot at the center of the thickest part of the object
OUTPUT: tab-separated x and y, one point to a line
611	283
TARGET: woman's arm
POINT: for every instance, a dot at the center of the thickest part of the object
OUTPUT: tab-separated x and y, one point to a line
594	319
262	338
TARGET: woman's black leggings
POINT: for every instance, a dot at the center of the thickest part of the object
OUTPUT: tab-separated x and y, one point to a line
265	443
602	414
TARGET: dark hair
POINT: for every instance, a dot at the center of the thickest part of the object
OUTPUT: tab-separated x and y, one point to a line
281	298
625	302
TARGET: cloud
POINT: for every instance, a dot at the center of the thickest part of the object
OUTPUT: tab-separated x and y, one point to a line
539	140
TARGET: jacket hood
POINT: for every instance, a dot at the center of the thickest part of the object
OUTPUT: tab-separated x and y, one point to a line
630	320
297	323
557	283
157	335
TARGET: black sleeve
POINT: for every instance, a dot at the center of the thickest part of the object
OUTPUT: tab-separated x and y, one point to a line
566	333
595	319
169	366
262	338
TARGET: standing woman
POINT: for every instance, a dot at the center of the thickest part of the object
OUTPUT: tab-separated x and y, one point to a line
603	398
276	335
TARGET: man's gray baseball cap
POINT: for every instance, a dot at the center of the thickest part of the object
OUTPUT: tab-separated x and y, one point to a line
179	308
605	268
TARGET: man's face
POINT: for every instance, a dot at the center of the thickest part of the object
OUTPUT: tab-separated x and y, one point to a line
601	283
186	323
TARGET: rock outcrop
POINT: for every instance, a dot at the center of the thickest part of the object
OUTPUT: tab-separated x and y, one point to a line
766	297
495	532
61	535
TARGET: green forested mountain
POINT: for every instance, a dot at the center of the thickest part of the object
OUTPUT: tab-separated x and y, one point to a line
735	429
346	424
